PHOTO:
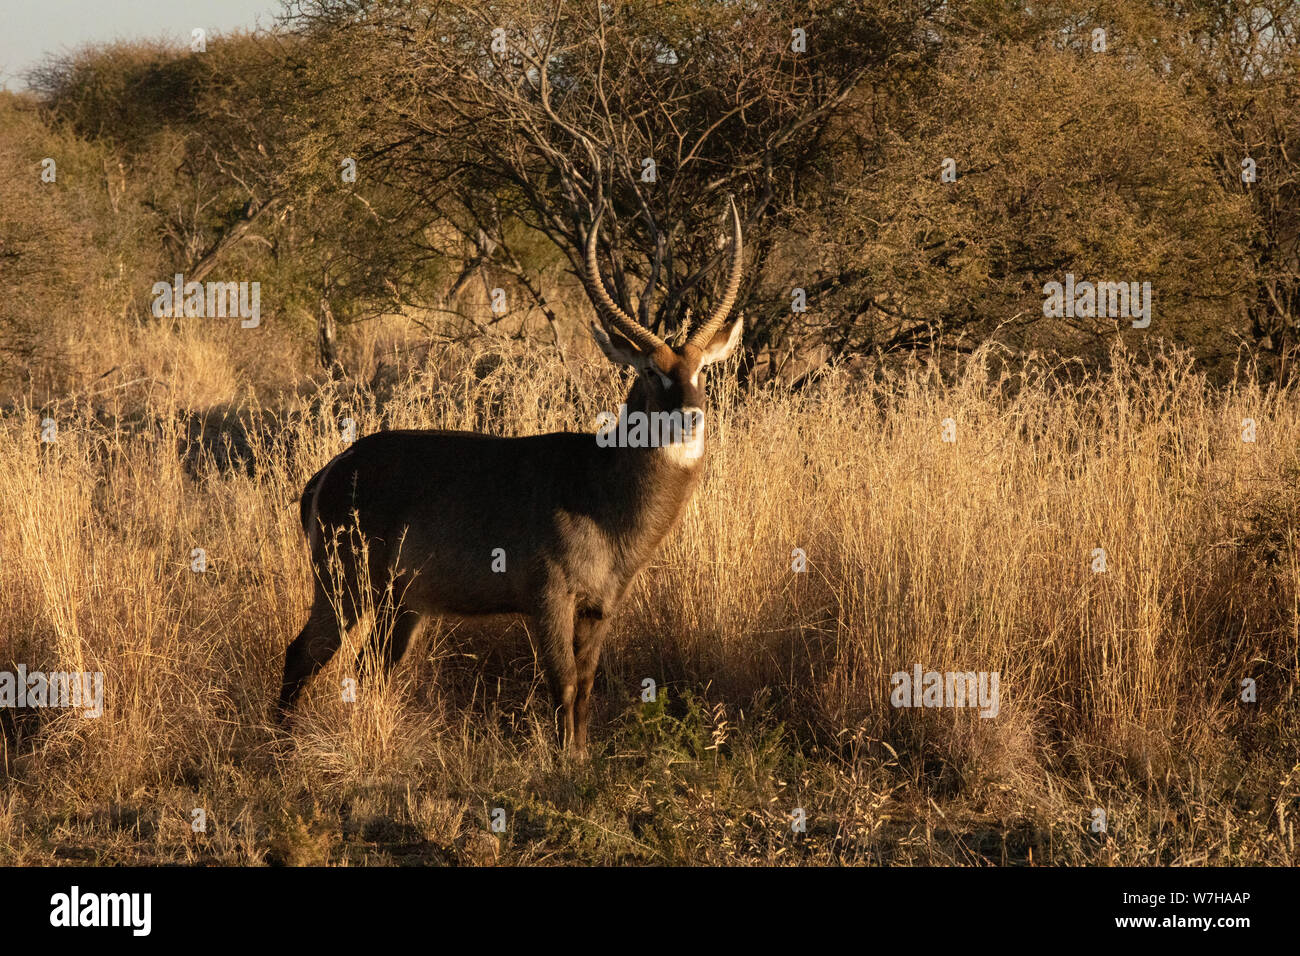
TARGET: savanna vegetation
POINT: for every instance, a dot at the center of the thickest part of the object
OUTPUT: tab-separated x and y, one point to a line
910	462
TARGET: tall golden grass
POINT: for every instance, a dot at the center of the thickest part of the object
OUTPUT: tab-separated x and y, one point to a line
1120	690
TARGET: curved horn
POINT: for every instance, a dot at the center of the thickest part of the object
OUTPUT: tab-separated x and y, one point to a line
701	336
607	308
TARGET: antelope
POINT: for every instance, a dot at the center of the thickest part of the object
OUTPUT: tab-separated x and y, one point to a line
574	521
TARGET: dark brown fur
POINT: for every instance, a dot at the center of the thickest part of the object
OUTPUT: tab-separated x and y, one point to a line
576	521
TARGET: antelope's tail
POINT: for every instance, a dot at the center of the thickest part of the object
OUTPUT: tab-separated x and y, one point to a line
307	503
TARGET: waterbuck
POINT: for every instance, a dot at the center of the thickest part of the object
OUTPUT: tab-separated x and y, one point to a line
555	526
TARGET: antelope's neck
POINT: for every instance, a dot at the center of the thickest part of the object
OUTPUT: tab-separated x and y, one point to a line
659	483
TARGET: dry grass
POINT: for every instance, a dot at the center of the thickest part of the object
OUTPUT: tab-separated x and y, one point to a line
1119	690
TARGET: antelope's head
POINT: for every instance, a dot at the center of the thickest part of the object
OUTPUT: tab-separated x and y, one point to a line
669	379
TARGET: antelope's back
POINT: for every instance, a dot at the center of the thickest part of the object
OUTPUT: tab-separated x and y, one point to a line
450	493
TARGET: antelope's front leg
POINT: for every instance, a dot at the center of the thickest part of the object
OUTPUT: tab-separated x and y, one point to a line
555	621
588	635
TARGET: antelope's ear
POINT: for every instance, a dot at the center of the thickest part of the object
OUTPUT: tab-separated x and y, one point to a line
617	348
724	342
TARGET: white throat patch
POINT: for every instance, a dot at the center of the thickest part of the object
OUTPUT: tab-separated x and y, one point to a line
686	451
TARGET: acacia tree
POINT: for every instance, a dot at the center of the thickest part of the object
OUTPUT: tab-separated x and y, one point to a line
1241	59
220	147
1013	168
525	117
339	248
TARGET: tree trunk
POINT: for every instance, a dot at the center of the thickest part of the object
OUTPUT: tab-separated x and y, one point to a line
326	342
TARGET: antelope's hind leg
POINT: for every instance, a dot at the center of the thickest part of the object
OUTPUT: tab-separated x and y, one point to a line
386	646
311	650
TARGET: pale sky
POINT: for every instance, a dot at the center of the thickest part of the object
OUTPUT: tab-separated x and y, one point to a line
31	28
